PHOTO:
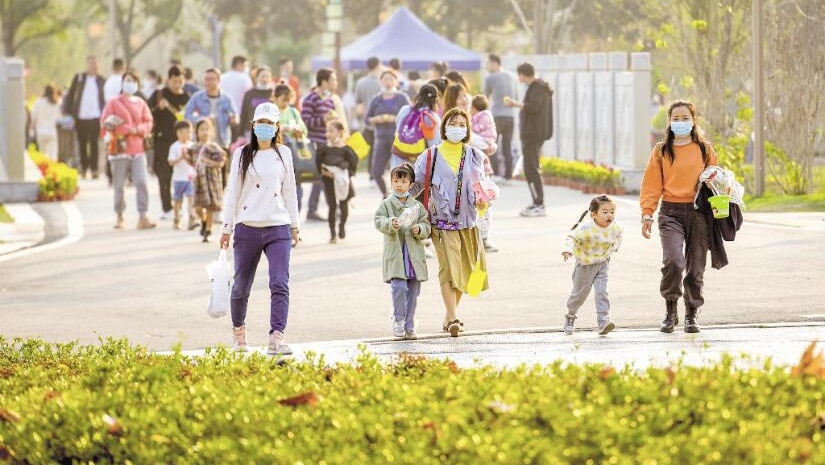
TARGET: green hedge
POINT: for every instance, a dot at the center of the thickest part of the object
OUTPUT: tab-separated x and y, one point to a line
118	404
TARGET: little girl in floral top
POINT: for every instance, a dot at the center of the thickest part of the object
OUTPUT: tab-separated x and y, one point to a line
591	242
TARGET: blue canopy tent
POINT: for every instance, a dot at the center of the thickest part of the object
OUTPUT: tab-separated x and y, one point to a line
406	37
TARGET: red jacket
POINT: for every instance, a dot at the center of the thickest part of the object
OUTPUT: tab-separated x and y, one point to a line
135	114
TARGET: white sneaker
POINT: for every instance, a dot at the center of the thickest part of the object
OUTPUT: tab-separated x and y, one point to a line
239	339
534	211
166	216
569	321
398	328
277	346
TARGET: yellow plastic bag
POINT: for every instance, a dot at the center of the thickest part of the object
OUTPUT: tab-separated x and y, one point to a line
358	145
478	276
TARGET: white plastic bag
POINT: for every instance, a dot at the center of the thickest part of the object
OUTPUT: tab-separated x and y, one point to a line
218	272
409	216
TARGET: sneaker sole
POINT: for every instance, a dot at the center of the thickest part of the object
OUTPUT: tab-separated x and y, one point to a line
609	327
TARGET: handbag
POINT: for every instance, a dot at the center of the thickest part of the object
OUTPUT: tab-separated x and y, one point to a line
303	160
218	272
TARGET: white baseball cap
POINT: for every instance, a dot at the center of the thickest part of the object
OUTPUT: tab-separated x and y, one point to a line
267	110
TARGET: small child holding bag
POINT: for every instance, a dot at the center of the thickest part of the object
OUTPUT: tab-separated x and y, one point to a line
404	223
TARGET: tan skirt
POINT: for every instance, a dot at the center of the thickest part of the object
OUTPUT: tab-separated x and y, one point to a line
456	252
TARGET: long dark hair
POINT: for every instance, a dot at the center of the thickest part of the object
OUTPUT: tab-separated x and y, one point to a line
50	93
249	150
427	97
667	144
595	204
451	96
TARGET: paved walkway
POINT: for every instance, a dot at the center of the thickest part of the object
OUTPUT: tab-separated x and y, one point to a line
639	348
151	286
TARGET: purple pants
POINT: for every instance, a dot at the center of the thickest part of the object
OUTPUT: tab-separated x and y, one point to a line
249	243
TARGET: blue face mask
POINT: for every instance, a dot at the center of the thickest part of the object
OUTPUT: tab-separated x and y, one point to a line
265	131
403	195
681	128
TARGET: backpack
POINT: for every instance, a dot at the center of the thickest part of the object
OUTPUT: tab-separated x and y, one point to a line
412	134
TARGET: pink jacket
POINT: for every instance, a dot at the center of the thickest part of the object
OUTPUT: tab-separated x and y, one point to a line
135	114
485	126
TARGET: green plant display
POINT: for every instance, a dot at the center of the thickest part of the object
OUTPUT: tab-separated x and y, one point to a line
584	175
65	403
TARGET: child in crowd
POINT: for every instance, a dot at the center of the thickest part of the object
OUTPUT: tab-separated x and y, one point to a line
404	223
484	127
209	161
337	163
484	138
591	242
183	173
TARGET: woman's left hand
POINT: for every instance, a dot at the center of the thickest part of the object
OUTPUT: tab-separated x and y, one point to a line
295	237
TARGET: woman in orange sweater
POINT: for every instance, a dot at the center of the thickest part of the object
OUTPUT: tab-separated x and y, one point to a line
672	174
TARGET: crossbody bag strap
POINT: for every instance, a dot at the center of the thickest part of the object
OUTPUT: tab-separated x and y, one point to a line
428	179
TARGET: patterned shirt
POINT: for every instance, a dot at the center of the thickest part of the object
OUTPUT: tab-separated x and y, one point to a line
313	109
591	243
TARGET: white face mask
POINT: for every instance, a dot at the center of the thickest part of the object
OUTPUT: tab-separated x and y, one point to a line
129	88
456	134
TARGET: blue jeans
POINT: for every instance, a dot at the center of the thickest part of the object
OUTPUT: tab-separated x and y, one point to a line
404	300
250	243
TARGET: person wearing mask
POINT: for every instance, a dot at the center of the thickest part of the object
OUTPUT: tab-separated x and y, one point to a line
151	83
381	113
536	121
317	110
672	176
498	85
167	105
85	102
445	174
214	104
267	227
44	116
112	87
258	95
128	120
286	70
366	88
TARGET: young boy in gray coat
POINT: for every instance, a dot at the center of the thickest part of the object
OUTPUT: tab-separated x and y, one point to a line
403	221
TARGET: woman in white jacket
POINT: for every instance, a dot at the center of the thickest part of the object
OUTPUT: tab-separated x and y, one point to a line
261	210
44	114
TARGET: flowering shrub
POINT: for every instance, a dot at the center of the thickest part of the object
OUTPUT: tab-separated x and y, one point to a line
584	175
59	181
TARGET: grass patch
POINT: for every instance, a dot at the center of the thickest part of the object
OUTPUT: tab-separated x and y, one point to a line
4	216
64	403
786	203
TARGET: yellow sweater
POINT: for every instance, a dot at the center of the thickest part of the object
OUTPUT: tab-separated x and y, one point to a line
451	153
676	182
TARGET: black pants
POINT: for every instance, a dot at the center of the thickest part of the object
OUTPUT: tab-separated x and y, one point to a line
684	234
164	172
88	136
504	154
333	203
532	170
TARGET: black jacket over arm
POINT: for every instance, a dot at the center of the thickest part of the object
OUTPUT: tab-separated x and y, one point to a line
719	230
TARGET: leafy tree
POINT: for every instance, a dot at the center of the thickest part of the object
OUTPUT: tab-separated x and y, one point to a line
22	21
139	22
